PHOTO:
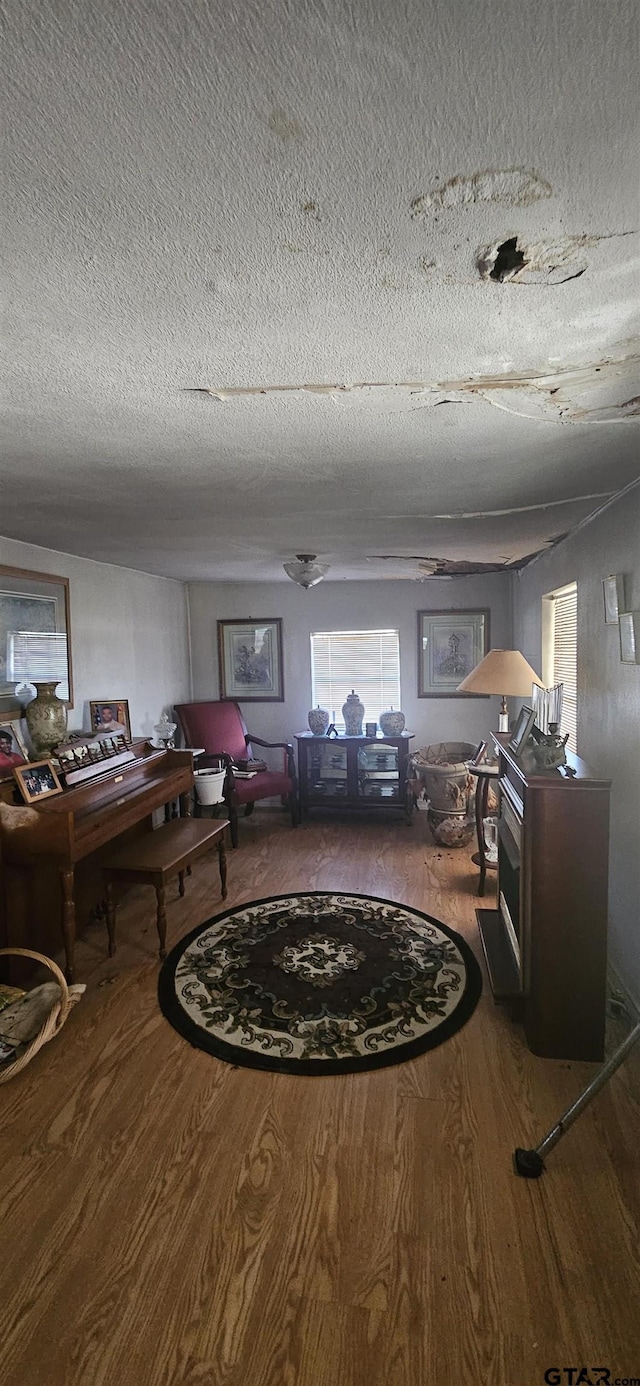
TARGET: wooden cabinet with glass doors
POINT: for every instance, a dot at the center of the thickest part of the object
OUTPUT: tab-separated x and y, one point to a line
355	772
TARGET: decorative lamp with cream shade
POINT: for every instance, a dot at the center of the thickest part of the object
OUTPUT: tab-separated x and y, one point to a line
505	672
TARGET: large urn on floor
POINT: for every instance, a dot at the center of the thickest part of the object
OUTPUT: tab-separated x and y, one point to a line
353	713
46	719
440	772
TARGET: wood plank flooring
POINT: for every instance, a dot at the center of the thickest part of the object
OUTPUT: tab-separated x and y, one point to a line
168	1220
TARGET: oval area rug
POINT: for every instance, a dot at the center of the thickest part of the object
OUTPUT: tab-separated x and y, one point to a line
319	983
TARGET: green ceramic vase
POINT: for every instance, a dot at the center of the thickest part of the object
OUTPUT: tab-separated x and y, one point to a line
46	719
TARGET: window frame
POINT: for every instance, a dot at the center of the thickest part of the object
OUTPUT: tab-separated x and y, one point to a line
354	678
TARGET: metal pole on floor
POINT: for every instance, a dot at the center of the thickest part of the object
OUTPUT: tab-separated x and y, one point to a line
530	1163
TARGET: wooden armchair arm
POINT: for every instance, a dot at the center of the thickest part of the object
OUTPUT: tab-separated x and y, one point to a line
286	746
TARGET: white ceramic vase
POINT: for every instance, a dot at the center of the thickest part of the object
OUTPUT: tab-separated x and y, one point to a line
353	713
318	719
392	723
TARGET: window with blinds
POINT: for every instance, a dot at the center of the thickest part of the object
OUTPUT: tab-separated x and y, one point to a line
366	660
564	655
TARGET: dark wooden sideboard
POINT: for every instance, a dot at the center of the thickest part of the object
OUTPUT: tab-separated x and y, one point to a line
546	944
355	772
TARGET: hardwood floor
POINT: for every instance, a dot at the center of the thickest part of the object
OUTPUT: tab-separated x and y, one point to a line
169	1220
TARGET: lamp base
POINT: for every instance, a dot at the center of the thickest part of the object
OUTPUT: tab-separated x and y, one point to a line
503	722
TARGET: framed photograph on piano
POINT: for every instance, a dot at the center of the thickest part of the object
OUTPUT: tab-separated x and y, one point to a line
37	780
13	749
110	717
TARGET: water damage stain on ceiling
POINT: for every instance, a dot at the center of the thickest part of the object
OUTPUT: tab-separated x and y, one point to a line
604	391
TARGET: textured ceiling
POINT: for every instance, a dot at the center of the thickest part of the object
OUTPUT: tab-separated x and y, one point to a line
353	279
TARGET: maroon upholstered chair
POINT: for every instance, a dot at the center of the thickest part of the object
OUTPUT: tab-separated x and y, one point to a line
221	729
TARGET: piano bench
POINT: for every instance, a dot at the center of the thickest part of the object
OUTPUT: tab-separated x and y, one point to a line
158	856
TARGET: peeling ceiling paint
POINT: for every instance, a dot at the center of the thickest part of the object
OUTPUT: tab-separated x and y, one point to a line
592	392
509	187
231	197
544	262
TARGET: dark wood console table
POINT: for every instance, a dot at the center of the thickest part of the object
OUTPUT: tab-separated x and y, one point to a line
355	772
546	943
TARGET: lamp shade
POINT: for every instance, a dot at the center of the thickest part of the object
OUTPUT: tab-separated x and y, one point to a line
501	671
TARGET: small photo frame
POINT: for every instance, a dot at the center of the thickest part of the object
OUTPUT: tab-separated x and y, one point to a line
480	754
110	717
371	729
522	730
13	748
37	780
629	622
613	589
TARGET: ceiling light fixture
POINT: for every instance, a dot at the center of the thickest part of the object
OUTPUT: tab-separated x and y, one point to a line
305	571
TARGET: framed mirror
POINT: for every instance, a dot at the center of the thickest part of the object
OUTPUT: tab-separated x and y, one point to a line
35	632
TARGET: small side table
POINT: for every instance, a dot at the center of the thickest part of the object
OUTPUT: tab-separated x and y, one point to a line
485	774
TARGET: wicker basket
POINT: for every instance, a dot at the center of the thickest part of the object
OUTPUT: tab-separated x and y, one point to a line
55	1019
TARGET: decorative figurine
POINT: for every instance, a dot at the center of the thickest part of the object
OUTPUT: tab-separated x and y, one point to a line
547	752
165	731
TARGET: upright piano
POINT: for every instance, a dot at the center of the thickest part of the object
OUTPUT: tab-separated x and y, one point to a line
44	845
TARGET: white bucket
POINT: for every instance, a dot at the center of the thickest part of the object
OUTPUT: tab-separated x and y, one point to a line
209	786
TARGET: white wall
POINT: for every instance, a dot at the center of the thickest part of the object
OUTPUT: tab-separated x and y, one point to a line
348	606
608	696
129	634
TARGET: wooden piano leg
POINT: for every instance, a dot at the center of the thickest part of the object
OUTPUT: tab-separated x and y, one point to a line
186	805
68	922
161	920
222	859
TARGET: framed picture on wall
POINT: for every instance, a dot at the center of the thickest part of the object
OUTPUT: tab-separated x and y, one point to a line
35	631
613	590
450	644
630	637
250	660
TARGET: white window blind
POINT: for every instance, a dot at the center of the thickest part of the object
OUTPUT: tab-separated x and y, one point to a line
565	656
33	654
366	660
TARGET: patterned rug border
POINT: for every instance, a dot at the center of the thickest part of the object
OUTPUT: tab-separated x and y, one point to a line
239	1058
